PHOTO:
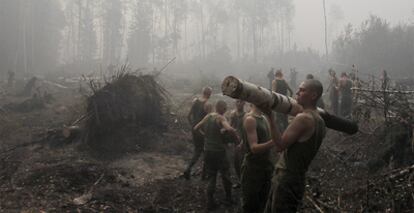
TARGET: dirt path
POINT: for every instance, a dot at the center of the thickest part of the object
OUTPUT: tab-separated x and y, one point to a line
147	167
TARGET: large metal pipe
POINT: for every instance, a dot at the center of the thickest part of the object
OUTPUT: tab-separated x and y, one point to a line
259	96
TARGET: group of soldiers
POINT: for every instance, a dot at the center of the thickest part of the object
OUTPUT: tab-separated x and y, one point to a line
340	93
259	137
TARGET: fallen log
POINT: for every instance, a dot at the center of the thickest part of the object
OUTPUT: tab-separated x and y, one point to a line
71	131
236	88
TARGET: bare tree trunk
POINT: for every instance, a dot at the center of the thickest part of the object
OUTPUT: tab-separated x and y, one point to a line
185	37
238	37
78	43
32	36
254	40
24	38
203	38
152	35
326	31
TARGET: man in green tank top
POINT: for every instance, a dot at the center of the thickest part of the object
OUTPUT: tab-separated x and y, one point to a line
299	144
197	112
215	158
257	166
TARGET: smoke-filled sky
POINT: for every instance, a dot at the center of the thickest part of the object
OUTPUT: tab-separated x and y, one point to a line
309	31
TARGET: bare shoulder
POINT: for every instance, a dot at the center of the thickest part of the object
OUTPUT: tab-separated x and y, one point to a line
304	119
220	117
249	120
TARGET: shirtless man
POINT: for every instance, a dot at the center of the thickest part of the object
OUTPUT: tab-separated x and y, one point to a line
197	112
333	92
280	86
345	89
299	144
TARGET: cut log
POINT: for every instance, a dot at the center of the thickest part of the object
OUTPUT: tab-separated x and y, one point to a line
71	131
260	96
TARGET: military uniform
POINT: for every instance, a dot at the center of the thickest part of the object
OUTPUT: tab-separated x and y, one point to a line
257	171
198	113
288	182
215	158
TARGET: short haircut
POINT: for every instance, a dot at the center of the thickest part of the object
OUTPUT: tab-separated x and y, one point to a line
221	104
279	72
207	90
309	76
315	86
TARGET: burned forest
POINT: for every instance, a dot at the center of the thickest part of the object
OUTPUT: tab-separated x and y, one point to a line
174	106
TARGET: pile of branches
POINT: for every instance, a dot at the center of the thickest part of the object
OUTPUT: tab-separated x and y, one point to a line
125	114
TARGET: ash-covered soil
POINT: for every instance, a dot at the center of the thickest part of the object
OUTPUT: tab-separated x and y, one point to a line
41	172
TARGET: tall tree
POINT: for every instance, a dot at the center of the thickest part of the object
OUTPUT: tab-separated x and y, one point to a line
139	41
112	31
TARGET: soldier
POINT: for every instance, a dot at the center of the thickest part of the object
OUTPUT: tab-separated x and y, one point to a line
280	86
236	121
333	91
257	166
345	85
215	157
197	112
299	144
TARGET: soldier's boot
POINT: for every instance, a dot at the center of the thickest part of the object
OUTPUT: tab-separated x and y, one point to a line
227	188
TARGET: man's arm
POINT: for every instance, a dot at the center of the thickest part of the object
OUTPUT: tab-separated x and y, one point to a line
274	130
190	114
201	123
250	127
300	125
274	85
231	118
227	127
